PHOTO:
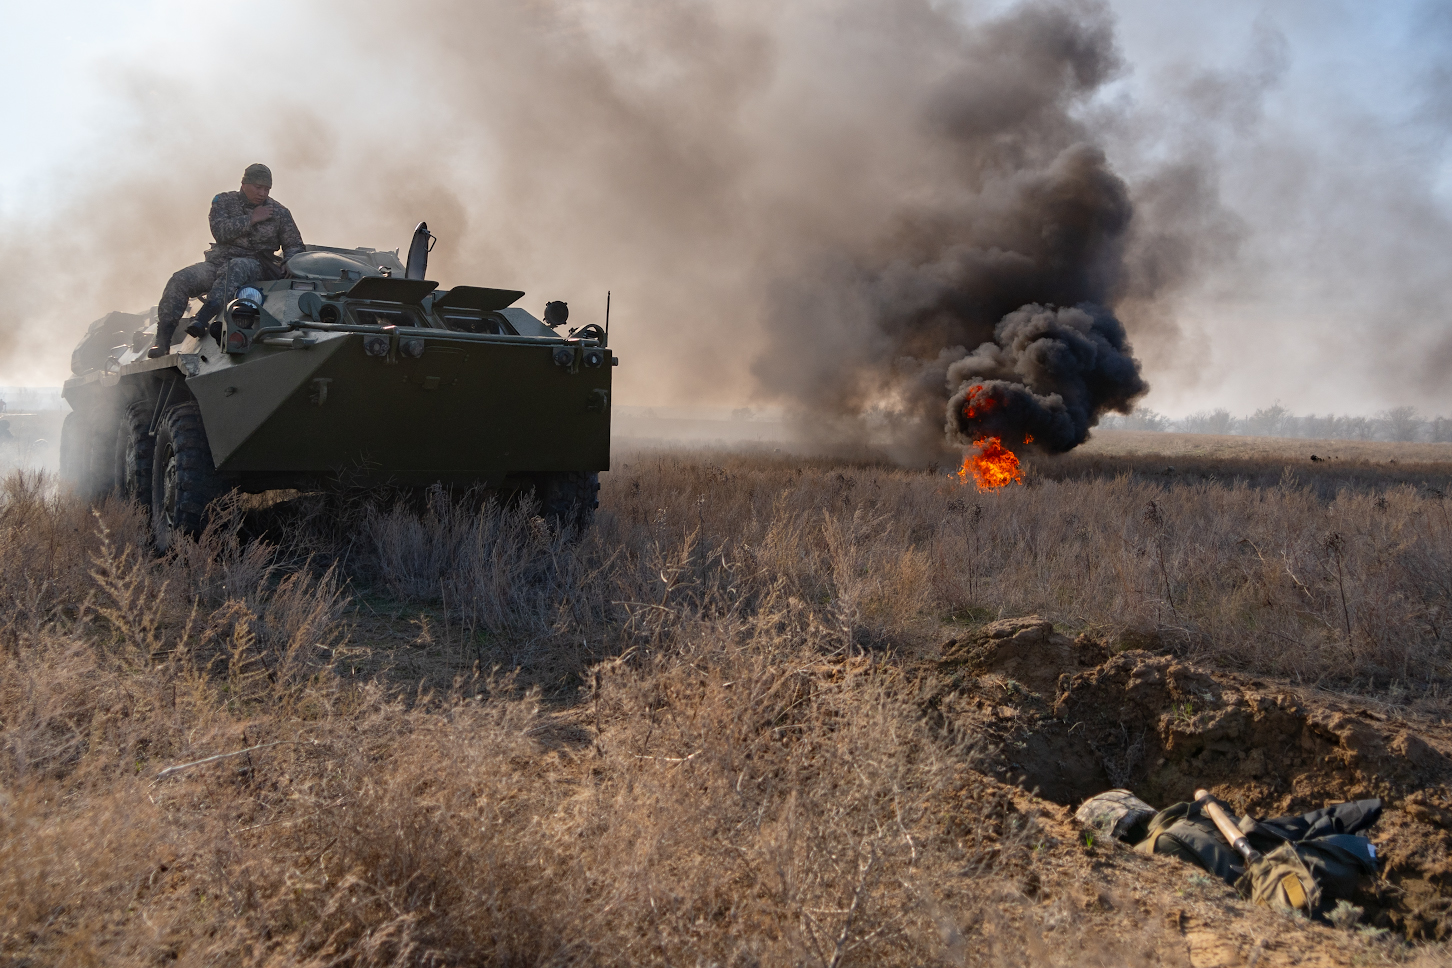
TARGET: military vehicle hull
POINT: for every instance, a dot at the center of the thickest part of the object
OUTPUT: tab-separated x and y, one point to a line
462	412
367	380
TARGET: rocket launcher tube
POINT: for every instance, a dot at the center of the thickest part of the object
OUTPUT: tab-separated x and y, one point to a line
1228	830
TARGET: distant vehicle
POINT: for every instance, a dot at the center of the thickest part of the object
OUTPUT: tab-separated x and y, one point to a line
354	366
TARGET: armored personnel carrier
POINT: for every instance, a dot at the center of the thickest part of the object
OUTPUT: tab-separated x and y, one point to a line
353	367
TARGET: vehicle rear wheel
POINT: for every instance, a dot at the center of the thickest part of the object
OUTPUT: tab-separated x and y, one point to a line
135	446
72	449
183	480
88	455
568	498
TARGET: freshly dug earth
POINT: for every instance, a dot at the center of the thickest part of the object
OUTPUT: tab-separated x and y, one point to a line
1073	718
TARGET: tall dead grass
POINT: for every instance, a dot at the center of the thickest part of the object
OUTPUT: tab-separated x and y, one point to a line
1353	591
182	785
737	770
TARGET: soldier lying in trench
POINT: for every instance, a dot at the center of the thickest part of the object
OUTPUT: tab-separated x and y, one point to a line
1321	849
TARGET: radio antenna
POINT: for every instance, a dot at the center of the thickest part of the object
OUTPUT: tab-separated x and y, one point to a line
607	317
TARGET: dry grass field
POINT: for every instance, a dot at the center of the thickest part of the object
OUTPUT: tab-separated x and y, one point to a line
1128	443
745	720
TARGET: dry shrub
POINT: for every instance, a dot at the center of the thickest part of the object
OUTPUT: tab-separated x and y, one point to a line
1251	577
1271	581
736	805
1350	591
114	658
46	544
75	871
743	774
738	790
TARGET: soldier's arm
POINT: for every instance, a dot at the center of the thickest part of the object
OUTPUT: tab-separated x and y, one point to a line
288	235
227	225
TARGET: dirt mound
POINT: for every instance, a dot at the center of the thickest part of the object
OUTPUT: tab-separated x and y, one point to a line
1071	720
1278	750
1004	677
1026	650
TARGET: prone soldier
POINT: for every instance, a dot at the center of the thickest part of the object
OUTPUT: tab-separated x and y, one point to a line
249	228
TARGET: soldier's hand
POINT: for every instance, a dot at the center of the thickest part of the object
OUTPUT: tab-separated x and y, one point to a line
261	213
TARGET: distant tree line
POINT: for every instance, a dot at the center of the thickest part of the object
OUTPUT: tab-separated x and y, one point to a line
29	399
1398	423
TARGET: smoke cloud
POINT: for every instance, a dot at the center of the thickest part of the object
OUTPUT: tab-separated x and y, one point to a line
1046	377
1024	211
850	209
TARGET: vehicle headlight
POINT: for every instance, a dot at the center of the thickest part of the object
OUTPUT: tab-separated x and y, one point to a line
242	312
564	356
237	343
411	347
251	295
594	357
376	345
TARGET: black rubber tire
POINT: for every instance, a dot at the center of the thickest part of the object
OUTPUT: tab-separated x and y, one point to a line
73	449
568	498
135	447
183	479
103	454
88	453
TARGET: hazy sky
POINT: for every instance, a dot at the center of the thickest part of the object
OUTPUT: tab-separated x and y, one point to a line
1324	126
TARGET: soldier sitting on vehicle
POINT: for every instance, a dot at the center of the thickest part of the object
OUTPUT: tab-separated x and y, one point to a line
249	229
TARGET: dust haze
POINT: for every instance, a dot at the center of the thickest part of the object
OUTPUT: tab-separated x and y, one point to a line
822	207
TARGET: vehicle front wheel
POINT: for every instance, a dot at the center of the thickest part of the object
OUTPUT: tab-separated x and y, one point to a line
183	480
568	498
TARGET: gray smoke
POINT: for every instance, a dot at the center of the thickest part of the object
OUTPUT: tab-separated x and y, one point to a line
820	205
1025	212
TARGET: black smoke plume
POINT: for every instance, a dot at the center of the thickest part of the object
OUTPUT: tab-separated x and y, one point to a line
1024	212
1046	377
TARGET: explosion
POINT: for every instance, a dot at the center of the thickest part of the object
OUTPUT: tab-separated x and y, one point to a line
977	404
994	465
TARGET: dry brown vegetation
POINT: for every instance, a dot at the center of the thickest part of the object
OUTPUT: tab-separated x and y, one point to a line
700	733
1276	451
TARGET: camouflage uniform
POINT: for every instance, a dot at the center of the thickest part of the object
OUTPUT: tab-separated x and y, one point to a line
243	253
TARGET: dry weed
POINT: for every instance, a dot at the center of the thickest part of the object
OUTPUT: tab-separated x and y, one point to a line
733	765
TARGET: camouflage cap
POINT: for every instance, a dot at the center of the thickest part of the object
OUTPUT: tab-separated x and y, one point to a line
257	175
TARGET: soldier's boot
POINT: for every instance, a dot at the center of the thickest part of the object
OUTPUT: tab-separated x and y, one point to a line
164	331
205	315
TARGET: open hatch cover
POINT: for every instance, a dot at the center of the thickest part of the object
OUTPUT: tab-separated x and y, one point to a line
476	297
385	289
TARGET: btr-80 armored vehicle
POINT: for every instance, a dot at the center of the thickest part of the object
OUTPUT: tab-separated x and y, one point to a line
352	366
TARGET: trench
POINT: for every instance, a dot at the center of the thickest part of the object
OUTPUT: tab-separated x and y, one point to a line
1070	719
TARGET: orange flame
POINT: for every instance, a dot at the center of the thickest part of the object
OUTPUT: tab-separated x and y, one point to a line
992	467
973	407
